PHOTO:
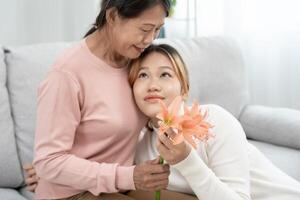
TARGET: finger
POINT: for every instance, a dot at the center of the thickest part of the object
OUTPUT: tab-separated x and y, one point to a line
174	136
27	166
31	180
154	161
166	141
31	172
159	142
162	149
36	178
171	133
150	178
32	188
28	181
158	168
158	185
159	177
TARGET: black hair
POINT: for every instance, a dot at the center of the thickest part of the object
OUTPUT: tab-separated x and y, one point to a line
126	9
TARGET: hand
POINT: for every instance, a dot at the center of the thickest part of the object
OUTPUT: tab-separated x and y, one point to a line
173	154
151	175
31	177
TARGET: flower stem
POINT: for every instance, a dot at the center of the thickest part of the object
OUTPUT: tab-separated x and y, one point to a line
161	160
157	193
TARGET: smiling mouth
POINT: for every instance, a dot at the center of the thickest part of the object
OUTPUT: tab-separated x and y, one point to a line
139	49
153	99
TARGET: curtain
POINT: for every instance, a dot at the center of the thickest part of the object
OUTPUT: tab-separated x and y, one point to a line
268	33
35	21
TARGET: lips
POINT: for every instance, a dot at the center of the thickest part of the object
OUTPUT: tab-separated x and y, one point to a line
139	49
153	98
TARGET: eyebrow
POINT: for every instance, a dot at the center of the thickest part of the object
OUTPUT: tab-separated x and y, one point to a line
149	24
164	67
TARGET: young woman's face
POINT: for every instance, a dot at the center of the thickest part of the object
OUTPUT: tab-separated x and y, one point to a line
132	36
156	80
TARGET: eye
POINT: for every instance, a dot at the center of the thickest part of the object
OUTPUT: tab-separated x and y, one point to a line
142	75
157	30
146	30
166	75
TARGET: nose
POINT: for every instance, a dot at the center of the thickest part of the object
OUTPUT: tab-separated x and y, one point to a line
150	37
154	86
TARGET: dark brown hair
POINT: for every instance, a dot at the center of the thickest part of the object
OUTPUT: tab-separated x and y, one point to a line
126	9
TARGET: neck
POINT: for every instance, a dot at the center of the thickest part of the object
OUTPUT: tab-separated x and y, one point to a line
101	45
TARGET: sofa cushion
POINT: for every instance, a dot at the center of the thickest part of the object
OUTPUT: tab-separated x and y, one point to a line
280	126
26	193
10	194
217	73
10	169
27	66
282	157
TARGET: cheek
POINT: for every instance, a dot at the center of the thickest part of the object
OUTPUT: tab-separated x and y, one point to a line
130	37
138	93
120	39
173	90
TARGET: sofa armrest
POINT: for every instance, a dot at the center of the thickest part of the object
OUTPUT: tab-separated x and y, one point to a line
280	126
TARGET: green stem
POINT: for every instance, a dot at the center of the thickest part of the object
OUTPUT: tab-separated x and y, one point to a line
157	193
161	160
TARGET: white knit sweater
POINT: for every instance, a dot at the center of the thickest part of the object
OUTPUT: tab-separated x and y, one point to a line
226	168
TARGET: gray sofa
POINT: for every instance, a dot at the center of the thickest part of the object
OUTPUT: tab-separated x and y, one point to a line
217	75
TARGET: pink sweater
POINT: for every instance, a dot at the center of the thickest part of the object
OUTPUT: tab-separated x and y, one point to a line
87	127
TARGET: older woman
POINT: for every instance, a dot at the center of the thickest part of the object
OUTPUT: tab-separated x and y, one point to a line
87	121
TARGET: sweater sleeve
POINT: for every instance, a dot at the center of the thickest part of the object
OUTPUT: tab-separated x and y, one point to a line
226	175
58	115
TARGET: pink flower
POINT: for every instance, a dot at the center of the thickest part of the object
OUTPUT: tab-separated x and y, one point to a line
169	115
192	126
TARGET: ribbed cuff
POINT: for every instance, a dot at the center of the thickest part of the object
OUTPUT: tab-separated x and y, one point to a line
124	178
188	164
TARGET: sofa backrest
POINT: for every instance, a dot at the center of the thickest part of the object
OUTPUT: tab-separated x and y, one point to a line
27	67
10	169
216	70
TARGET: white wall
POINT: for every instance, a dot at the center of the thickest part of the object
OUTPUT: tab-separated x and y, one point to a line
268	33
34	21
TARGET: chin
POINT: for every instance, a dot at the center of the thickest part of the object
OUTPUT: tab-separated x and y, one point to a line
151	113
133	55
150	110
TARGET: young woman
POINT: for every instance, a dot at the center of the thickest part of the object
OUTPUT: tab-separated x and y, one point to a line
227	167
87	121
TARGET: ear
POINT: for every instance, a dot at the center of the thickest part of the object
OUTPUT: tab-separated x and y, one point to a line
111	16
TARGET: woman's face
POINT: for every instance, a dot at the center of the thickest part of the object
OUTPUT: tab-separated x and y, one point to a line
156	80
132	36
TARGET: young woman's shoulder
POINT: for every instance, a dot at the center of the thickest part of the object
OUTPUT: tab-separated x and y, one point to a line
225	125
216	112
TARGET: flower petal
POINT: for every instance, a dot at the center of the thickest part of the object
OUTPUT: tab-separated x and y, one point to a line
163	111
195	109
175	106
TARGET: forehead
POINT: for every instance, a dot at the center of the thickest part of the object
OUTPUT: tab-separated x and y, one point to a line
156	60
154	15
